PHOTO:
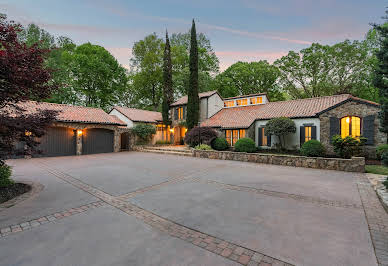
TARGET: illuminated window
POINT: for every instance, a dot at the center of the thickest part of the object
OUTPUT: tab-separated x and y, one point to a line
256	100
350	126
242	102
180	113
232	136
228	134
235	136
229	103
263	137
242	133
307	134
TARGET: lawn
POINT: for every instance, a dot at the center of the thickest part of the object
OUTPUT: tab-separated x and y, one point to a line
376	169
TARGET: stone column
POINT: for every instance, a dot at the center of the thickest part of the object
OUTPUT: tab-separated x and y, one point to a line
116	141
78	142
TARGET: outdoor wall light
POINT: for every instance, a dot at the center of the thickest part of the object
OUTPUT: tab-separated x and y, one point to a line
79	132
172	130
27	133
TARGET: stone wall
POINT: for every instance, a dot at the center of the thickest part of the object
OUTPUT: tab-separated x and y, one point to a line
356	164
352	108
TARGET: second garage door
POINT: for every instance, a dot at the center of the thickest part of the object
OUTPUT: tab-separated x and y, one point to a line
97	140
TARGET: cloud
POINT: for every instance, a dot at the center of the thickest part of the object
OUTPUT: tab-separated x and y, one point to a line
122	54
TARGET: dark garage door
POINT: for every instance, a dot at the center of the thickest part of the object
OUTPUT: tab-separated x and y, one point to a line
58	141
97	140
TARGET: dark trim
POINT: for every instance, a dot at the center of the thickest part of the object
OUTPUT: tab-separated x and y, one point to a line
308	124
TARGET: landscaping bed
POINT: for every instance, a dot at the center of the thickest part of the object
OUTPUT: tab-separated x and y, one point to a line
12	191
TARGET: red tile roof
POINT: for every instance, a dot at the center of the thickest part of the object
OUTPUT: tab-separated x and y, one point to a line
183	100
243	117
69	113
138	115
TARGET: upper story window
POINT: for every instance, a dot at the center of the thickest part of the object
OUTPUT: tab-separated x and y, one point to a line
242	102
229	103
180	113
256	100
350	126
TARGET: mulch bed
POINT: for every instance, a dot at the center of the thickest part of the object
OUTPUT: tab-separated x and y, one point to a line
12	191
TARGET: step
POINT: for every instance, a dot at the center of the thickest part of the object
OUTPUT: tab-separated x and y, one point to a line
188	153
166	149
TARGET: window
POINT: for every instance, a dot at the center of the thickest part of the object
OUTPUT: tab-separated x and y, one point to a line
307	134
233	135
256	100
350	126
229	103
263	137
180	113
242	102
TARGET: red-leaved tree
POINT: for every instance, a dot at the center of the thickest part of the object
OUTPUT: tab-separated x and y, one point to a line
23	77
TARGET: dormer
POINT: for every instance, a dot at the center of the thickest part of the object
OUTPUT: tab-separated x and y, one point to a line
246	100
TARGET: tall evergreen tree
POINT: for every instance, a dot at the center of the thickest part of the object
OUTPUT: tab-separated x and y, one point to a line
192	93
381	74
168	96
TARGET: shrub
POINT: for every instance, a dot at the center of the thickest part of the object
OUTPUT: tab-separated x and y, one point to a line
203	147
199	135
220	144
245	145
144	131
162	142
280	127
385	183
5	175
348	146
312	148
380	150
384	158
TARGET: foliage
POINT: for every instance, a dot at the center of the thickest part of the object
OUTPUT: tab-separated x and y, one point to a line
280	127
162	142
203	147
376	169
380	78
385	183
380	150
5	175
243	78
312	148
384	158
220	144
192	92
144	131
348	146
22	77
168	91
245	145
199	135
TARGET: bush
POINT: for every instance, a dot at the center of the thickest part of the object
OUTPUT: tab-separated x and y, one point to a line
144	131
348	146
384	158
203	147
280	127
162	142
5	175
312	148
220	144
207	134
245	145
380	150
385	183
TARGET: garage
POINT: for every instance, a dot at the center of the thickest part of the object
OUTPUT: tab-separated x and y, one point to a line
97	140
58	141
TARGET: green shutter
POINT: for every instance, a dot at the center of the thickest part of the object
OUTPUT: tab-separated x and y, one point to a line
176	113
334	127
260	136
301	135
313	132
368	129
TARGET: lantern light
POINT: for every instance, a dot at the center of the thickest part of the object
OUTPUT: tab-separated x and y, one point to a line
79	132
28	133
347	120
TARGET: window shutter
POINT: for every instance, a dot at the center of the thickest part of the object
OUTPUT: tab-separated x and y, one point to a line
301	135
334	127
368	129
260	136
269	140
184	112
176	113
313	132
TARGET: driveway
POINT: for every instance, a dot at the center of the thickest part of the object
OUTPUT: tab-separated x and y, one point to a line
136	208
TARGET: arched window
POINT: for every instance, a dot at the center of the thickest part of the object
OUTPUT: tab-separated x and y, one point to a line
350	126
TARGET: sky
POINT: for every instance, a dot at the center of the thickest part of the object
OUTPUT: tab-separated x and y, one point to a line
239	30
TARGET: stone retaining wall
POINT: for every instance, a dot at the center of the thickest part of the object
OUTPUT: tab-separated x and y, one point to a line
356	164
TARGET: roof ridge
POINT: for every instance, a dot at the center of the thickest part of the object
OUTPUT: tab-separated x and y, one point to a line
131	108
312	98
65	104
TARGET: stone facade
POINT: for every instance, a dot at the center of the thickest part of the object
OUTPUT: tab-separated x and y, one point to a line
356	164
352	108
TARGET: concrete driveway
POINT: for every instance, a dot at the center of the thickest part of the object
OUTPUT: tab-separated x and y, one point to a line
138	208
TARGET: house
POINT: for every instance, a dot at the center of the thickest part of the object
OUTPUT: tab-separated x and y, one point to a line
315	118
78	130
210	103
132	116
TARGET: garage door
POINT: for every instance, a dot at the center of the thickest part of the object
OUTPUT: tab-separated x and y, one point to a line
58	141
97	140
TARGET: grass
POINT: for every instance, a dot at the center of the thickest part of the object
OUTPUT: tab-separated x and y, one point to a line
376	169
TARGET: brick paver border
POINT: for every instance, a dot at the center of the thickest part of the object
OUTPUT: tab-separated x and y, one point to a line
20	227
36	188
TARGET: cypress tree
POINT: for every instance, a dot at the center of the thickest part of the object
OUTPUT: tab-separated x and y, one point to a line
381	73
168	96
192	93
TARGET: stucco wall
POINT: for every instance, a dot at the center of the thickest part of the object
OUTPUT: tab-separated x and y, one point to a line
122	118
203	109
215	104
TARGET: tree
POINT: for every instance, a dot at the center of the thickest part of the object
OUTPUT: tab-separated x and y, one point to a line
380	79
280	127
168	92
144	132
192	93
34	35
244	78
22	77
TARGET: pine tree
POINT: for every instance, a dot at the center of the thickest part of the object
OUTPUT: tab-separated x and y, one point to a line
192	93
168	96
381	74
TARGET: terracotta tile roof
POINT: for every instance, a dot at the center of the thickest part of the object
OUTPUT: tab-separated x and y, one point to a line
138	115
69	113
243	117
183	100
